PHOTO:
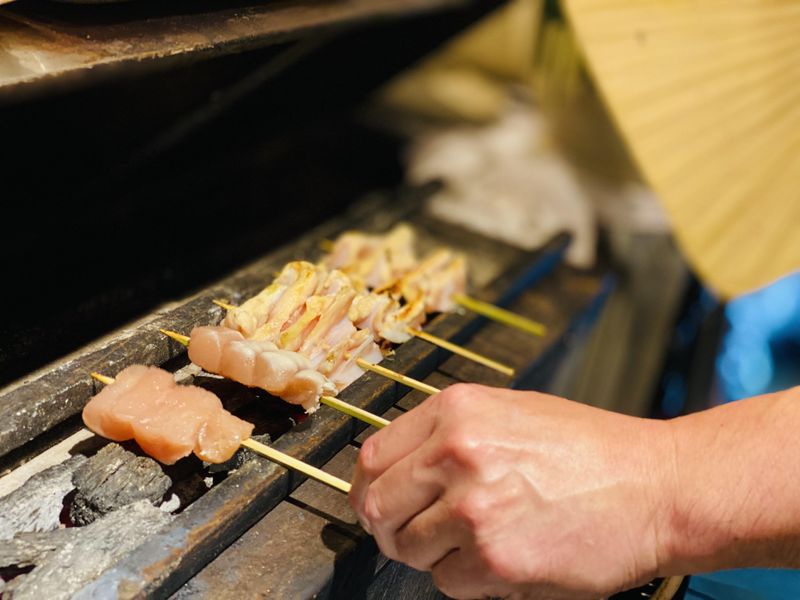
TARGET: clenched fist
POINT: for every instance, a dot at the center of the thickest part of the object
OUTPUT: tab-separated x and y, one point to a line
520	494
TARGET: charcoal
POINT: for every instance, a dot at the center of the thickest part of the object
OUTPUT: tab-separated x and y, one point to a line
189	489
66	560
37	504
112	478
237	460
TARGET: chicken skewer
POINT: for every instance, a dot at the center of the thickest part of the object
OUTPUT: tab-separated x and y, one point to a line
360	362
335	403
274	455
263	315
387	261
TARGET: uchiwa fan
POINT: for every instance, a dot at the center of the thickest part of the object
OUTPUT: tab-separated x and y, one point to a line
707	96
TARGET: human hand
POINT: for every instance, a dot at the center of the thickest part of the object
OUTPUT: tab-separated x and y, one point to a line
520	494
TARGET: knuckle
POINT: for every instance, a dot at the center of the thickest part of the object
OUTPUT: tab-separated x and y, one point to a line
367	457
457	397
373	506
461	447
471	510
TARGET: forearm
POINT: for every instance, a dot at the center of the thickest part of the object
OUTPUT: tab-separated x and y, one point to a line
735	487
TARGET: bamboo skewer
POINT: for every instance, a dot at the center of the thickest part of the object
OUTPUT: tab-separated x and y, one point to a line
223	304
334	403
276	456
501	315
354	411
461	351
436	341
398	377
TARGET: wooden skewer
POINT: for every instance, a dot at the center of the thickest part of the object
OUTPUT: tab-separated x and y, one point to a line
354	411
276	456
223	304
501	315
461	351
334	403
436	341
398	377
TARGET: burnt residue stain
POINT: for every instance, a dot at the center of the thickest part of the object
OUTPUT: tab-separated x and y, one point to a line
13	571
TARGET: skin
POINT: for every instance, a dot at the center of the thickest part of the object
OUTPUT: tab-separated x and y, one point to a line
525	495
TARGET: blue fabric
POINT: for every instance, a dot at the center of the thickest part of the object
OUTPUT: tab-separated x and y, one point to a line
745	584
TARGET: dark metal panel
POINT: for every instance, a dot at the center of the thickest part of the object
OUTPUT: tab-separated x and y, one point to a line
43	41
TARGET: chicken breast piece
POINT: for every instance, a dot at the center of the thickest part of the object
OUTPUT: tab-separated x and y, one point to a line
306	387
113	412
220	436
256	363
165	419
207	344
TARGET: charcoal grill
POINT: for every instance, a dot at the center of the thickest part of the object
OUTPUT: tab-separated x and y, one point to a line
137	93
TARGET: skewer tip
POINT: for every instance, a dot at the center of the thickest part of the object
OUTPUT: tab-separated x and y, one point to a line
224	304
102	378
178	337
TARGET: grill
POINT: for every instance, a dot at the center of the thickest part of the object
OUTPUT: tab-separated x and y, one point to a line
219	508
94	518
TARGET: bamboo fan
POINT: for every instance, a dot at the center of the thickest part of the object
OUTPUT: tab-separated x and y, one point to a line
707	96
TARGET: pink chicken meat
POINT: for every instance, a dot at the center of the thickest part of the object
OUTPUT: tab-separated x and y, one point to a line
308	316
259	363
167	420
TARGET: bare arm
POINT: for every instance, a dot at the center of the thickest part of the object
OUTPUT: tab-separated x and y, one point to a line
502	493
737	499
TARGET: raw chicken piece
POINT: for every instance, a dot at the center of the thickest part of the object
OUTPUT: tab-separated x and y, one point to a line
275	370
368	311
252	314
261	364
334	314
210	348
385	317
435	280
291	303
395	324
348	249
306	388
361	345
112	412
448	282
220	436
375	260
168	421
